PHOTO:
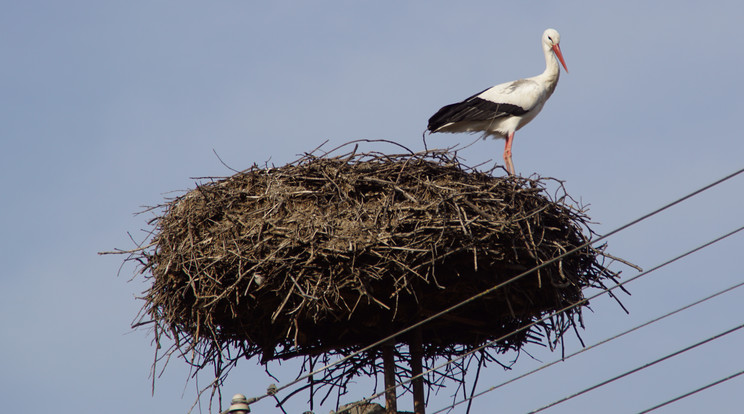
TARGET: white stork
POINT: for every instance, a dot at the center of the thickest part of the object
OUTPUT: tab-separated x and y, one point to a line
503	109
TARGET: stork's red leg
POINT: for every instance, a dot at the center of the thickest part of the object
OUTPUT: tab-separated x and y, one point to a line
507	153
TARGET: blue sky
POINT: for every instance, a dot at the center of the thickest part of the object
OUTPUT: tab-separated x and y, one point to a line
109	106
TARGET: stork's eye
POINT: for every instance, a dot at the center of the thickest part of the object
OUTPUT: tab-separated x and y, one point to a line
550	38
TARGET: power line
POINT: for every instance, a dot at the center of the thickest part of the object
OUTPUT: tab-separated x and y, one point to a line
492	289
712	384
579	303
634	370
657	319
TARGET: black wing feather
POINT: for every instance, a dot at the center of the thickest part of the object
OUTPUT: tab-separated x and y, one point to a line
472	109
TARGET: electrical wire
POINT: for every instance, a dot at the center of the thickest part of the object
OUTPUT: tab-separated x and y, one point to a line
712	384
602	342
492	289
579	303
644	366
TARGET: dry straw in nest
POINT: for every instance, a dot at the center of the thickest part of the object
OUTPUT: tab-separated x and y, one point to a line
328	254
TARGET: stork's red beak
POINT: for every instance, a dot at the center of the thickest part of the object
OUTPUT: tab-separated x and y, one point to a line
557	50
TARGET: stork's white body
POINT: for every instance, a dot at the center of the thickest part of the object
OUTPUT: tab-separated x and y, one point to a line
503	109
529	95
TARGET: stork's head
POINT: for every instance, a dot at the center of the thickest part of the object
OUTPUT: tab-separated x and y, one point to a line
551	40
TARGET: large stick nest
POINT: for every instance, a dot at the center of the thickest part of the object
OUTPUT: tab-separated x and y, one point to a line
329	254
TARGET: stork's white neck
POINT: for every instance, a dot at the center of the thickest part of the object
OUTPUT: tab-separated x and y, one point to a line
552	69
